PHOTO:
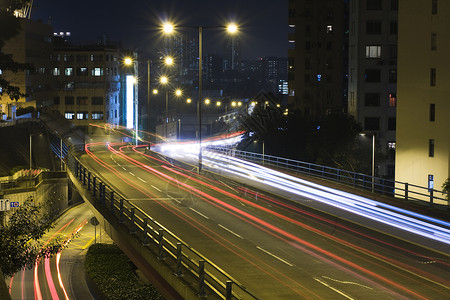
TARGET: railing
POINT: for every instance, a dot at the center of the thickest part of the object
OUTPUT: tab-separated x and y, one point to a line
366	182
209	279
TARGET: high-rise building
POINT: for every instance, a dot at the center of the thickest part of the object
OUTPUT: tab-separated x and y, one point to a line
372	78
33	45
233	53
317	63
423	122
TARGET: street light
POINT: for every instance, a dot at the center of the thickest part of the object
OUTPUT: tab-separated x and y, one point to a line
164	81
169	29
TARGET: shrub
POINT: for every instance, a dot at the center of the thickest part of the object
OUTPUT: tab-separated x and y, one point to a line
112	272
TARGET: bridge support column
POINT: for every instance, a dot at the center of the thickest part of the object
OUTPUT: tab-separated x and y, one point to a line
145	241
160	244
229	294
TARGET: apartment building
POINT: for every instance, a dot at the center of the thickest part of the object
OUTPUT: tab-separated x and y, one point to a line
423	122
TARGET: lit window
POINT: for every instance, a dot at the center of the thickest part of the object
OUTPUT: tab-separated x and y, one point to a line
373	51
392	99
82	115
56	72
319	77
97	115
97	72
329	28
68	71
69	115
391	145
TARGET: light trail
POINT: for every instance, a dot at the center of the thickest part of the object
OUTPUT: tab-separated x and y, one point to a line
247	217
374	210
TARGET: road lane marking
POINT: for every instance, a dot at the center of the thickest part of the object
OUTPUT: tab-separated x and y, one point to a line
230	231
277	257
131	173
334	289
124	168
206	217
142	179
155	188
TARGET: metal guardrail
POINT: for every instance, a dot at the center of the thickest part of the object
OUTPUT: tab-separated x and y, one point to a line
366	182
184	260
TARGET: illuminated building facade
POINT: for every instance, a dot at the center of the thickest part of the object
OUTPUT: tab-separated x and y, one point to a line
87	83
32	45
423	122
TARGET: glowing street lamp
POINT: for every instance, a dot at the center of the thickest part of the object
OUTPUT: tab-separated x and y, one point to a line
168	28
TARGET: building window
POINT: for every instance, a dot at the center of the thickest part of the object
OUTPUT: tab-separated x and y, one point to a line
393	27
97	100
372	99
373	27
394	4
82	71
392	76
432	77
82	100
373	51
82	115
69	100
68	71
97	72
372	75
431	148
371	123
392	100
392	123
56	71
97	115
69	115
374	5
391	145
329	28
319	77
56	100
434	7
432	112
433	41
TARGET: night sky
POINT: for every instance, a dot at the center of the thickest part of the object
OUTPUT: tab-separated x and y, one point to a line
262	23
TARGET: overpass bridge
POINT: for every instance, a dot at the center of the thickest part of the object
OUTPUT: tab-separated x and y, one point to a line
170	223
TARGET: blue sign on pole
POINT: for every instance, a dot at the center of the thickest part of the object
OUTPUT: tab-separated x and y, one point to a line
14	204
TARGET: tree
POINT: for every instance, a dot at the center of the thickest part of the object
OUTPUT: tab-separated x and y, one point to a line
10	27
446	188
20	245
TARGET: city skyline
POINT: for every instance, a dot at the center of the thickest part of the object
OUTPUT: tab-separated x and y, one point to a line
263	24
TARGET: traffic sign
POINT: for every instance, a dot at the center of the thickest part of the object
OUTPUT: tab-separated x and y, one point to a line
14	204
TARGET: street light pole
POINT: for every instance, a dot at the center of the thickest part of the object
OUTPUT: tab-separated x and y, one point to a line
199	107
148	96
166	121
373	160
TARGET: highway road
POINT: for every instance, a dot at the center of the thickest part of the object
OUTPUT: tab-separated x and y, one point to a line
61	276
278	249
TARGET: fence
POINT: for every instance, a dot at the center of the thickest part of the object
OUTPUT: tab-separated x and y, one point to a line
185	261
366	182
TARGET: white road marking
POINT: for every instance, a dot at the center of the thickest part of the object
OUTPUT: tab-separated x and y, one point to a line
142	179
131	173
124	168
334	289
206	217
277	257
155	188
230	231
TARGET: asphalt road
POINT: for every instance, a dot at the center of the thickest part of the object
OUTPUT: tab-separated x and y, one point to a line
63	279
276	248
